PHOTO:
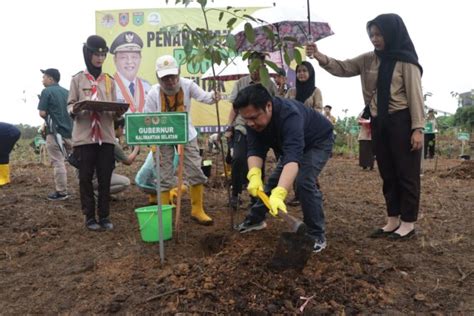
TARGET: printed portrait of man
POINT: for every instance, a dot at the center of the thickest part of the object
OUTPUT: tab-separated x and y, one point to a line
131	89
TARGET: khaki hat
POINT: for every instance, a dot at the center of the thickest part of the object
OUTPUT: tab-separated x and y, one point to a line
127	42
166	65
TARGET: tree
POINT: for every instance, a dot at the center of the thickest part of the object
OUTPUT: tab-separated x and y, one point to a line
445	122
464	117
27	131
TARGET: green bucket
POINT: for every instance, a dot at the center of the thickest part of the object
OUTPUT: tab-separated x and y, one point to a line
148	221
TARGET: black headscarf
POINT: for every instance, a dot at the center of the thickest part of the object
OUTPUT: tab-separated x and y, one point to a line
398	47
94	44
304	89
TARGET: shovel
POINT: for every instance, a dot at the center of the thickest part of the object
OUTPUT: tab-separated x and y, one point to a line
295	225
294	248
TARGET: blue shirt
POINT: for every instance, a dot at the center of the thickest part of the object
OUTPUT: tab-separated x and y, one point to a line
293	129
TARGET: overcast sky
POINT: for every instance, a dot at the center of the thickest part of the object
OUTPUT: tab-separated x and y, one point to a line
49	34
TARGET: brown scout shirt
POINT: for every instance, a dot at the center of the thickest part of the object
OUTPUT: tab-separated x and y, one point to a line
81	131
315	101
405	90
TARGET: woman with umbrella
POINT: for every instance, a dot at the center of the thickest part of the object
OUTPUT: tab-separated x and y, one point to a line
391	85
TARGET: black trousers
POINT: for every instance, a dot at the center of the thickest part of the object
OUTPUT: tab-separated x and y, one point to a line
366	154
98	158
399	167
239	162
430	143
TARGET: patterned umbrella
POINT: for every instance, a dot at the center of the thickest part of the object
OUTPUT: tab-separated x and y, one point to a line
294	22
236	69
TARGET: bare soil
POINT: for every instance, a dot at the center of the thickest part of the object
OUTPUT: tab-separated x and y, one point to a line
49	263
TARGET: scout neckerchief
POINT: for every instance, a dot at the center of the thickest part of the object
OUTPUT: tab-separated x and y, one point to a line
139	95
178	104
96	134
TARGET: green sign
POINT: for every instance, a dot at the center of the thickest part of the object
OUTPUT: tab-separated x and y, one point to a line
156	128
463	136
428	128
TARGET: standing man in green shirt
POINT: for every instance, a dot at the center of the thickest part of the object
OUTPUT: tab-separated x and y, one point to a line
53	108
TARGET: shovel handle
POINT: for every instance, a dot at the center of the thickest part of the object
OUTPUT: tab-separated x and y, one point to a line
266	200
262	196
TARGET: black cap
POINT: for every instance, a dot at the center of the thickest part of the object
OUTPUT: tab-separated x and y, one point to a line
127	42
53	73
96	43
328	106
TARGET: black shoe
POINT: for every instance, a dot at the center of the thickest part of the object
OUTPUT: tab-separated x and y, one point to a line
91	224
247	226
57	196
396	236
106	224
379	233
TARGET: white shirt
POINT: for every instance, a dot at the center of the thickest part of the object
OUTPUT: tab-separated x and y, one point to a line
126	83
190	90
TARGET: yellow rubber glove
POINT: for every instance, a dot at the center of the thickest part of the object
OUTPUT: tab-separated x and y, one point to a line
277	200
174	193
255	181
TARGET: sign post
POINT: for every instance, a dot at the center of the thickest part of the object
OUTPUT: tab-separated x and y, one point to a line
157	129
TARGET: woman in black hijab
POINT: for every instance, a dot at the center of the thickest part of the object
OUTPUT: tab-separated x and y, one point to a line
391	85
305	89
93	134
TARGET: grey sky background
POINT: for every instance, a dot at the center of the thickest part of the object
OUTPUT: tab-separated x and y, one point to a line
49	34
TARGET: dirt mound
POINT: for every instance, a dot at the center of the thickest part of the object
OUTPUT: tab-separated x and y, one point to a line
463	171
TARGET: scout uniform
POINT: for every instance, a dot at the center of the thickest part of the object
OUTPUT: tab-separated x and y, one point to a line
93	135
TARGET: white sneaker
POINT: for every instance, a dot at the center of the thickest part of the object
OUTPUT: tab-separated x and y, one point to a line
319	246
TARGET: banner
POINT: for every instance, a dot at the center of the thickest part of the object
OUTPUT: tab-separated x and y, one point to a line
142	30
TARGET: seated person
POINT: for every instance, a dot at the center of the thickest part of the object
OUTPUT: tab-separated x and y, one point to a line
146	177
213	142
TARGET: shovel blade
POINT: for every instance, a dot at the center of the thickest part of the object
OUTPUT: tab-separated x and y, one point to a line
295	225
292	252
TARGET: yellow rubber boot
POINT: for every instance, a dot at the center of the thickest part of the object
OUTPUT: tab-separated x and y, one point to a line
227	170
165	198
4	174
152	199
174	193
197	210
